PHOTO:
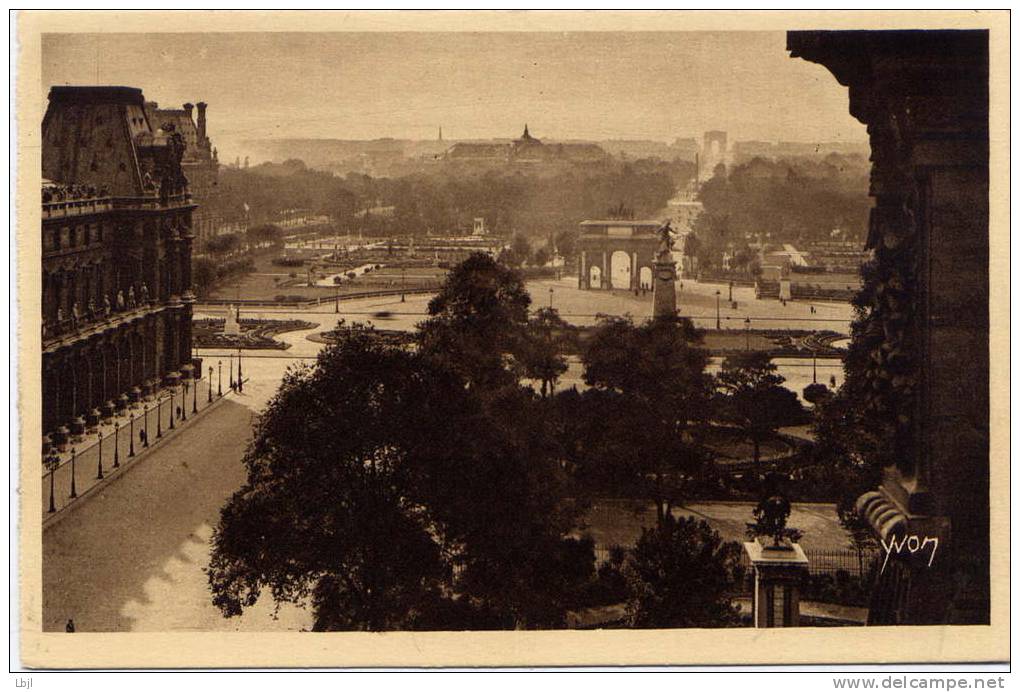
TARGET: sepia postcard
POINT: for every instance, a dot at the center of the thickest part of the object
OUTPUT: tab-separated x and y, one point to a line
516	338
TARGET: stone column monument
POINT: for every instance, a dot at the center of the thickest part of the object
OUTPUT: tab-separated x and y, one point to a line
664	283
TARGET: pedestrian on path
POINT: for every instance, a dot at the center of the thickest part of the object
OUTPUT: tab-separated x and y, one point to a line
70	626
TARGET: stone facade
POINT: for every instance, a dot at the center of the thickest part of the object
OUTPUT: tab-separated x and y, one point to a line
200	161
923	341
116	257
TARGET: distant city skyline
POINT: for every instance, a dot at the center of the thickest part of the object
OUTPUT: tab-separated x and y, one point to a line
361	86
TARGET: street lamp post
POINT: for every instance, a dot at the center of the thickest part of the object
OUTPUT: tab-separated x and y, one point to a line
116	445
74	491
131	441
403	277
731	291
814	366
172	412
718	324
232	385
219	378
99	474
194	399
145	426
52	462
550	298
240	379
747	333
210	386
159	418
184	399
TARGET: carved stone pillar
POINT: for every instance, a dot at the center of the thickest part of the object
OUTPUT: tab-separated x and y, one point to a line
920	353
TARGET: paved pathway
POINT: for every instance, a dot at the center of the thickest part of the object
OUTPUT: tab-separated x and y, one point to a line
131	556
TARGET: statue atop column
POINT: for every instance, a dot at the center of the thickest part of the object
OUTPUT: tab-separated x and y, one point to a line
667	239
664	275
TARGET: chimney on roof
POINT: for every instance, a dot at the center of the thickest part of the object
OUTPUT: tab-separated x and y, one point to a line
201	120
188	107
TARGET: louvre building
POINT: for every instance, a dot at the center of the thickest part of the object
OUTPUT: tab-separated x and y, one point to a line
116	257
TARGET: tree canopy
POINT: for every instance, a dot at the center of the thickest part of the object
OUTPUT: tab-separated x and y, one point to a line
387	495
682	574
477	320
650	390
754	399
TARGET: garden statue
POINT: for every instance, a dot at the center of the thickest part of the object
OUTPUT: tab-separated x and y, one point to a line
106	305
131	296
145	294
771	515
120	300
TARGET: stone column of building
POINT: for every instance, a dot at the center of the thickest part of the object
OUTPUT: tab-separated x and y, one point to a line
924	97
187	298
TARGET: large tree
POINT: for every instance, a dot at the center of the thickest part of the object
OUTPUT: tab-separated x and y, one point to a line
651	394
682	574
542	351
387	495
329	511
754	399
477	320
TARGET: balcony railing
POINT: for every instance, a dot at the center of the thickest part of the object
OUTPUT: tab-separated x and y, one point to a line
65	208
88	322
76	207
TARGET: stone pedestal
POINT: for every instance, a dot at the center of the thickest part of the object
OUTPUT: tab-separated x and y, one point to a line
78	426
61	437
778	575
230	324
92	418
664	296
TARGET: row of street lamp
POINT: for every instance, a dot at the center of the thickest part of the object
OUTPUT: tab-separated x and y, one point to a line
53	461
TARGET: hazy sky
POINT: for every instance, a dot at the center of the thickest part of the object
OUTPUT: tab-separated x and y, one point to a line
475	85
